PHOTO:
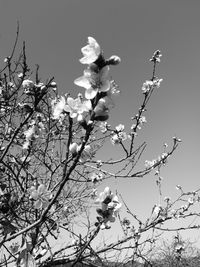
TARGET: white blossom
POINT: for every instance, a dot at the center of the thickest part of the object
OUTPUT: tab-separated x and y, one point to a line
58	107
90	52
119	128
94	82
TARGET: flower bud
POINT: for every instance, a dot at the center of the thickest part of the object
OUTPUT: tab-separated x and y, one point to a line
102	117
107	190
53	84
20	75
28	84
101	111
73	148
7	59
43	87
156	56
113	60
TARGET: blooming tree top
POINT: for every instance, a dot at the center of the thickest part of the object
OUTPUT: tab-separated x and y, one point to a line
50	170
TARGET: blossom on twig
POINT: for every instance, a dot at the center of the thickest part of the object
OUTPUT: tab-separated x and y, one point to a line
91	52
110	207
74	148
101	111
104	126
94	82
58	108
119	135
156	56
77	106
29	135
96	177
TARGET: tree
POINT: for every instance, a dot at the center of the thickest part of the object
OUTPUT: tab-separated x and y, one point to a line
177	252
50	171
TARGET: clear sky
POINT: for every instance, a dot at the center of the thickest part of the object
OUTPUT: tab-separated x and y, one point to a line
55	31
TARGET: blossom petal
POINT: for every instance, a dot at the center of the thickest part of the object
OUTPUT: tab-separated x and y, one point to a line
83	82
86	50
80	117
88	104
73	114
104	73
117	208
73	148
90	93
58	108
70	101
90	58
115	199
105	86
67	108
94	43
90	52
107	191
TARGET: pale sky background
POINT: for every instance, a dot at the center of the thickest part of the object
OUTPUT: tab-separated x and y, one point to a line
55	31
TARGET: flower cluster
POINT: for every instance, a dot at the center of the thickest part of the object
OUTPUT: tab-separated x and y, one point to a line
35	129
148	85
160	212
58	108
74	107
74	148
30	87
96	177
104	126
156	56
119	135
29	134
77	106
97	84
160	160
127	226
95	79
141	121
110	206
